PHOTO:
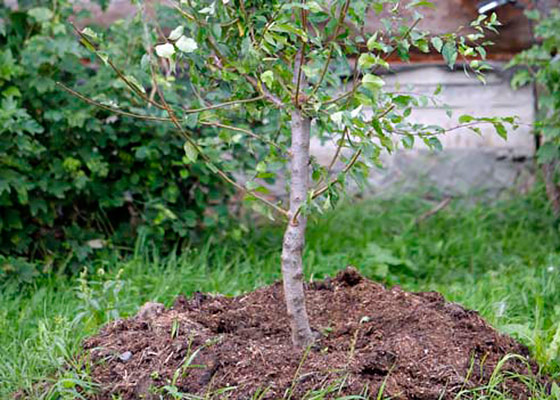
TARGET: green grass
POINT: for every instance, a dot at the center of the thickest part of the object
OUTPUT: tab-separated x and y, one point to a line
502	260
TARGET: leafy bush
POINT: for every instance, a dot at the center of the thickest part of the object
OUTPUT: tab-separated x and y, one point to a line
74	178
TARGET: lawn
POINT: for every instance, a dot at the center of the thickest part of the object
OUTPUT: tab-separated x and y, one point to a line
502	260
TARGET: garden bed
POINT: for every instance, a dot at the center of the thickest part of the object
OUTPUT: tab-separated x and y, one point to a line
372	339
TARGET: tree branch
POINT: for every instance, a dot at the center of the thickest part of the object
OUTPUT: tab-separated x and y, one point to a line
298	71
162	119
352	161
246	131
438	207
109	108
342	16
119	73
252	81
221	105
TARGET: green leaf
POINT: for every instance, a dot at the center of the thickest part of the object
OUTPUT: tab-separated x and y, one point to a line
464	119
521	78
372	42
102	55
11	91
481	51
190	152
337	118
314	7
372	82
449	52
408	141
434	143
290	29
500	130
366	61
420	3
40	14
377	7
191	120
268	78
437	43
90	34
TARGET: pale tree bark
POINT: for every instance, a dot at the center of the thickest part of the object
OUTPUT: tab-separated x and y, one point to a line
294	237
552	188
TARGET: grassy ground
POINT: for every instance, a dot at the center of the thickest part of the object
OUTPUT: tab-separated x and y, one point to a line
502	260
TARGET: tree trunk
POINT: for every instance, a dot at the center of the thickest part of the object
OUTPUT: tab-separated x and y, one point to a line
294	237
552	189
549	168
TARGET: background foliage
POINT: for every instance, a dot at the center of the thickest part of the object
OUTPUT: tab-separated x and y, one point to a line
75	179
541	65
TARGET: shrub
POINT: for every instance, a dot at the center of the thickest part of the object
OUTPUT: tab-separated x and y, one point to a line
74	178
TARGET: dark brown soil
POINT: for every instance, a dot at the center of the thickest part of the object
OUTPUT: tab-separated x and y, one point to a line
421	346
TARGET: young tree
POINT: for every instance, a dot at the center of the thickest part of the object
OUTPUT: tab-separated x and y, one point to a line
265	74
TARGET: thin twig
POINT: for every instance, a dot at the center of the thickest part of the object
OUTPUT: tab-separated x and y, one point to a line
438	207
341	97
298	71
244	12
323	74
333	160
119	73
338	149
246	131
352	161
109	108
341	18
268	25
225	104
162	119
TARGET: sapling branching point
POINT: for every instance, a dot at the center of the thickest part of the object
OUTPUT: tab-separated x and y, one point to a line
267	75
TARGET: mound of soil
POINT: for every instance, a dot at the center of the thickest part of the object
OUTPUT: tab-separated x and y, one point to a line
415	344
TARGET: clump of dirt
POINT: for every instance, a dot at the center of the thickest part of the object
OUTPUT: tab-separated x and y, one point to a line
415	345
